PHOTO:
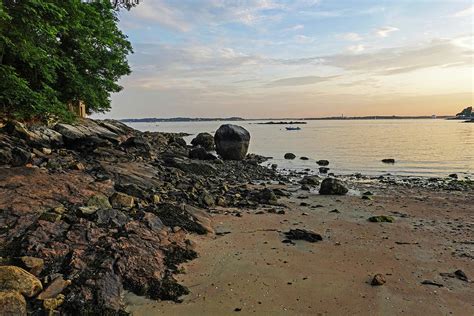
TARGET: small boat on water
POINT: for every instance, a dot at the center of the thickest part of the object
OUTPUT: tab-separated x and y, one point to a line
293	128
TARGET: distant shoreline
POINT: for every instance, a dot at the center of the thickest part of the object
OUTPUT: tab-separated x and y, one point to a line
372	117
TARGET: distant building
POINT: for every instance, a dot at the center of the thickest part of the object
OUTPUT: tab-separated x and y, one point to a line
78	108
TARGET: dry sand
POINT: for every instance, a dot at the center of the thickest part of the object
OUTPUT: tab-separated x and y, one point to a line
250	271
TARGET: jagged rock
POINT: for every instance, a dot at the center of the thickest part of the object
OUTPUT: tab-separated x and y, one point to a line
232	142
12	303
99	201
331	186
51	304
201	154
290	156
20	157
303	234
16	279
381	219
196	167
377	280
56	287
139	144
111	217
122	201
205	140
5	156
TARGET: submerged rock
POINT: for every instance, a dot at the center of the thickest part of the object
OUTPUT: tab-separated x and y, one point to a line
232	142
331	186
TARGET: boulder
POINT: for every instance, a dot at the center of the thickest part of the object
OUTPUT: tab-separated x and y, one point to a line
232	142
121	201
14	278
323	162
12	303
331	186
290	156
205	140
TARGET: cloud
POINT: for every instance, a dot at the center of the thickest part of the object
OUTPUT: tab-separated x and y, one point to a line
356	48
184	15
385	31
295	27
299	81
437	53
463	13
303	39
352	37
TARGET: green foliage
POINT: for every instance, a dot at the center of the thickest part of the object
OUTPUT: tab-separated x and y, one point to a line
54	52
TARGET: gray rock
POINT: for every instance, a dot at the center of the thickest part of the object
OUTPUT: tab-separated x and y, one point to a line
331	186
20	157
200	153
232	142
323	162
205	140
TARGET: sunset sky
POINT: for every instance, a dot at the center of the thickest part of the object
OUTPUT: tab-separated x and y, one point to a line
303	58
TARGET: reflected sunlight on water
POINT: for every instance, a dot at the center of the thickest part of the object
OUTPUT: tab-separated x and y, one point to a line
420	147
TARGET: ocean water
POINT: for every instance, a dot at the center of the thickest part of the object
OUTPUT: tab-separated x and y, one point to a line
425	147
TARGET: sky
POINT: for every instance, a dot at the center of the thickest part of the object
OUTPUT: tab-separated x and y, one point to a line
301	58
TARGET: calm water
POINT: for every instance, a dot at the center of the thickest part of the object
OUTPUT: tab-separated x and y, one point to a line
420	147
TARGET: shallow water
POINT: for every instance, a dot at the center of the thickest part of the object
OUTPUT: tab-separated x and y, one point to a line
421	147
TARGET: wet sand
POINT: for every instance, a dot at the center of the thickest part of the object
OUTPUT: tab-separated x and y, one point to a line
246	269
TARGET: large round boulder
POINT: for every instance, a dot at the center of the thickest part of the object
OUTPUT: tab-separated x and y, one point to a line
232	142
331	186
205	140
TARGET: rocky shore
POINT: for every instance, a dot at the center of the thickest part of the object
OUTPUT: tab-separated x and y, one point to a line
91	211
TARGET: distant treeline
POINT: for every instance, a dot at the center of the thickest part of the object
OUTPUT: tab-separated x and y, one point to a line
180	119
204	119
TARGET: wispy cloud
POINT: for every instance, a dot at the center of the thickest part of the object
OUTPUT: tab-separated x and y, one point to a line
385	31
356	48
299	81
303	39
463	13
352	37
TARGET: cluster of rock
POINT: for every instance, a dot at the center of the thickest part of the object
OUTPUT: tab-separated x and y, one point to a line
106	208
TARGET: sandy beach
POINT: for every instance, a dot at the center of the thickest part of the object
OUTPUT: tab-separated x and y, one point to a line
245	268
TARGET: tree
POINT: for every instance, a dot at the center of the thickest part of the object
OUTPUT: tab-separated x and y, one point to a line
54	52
